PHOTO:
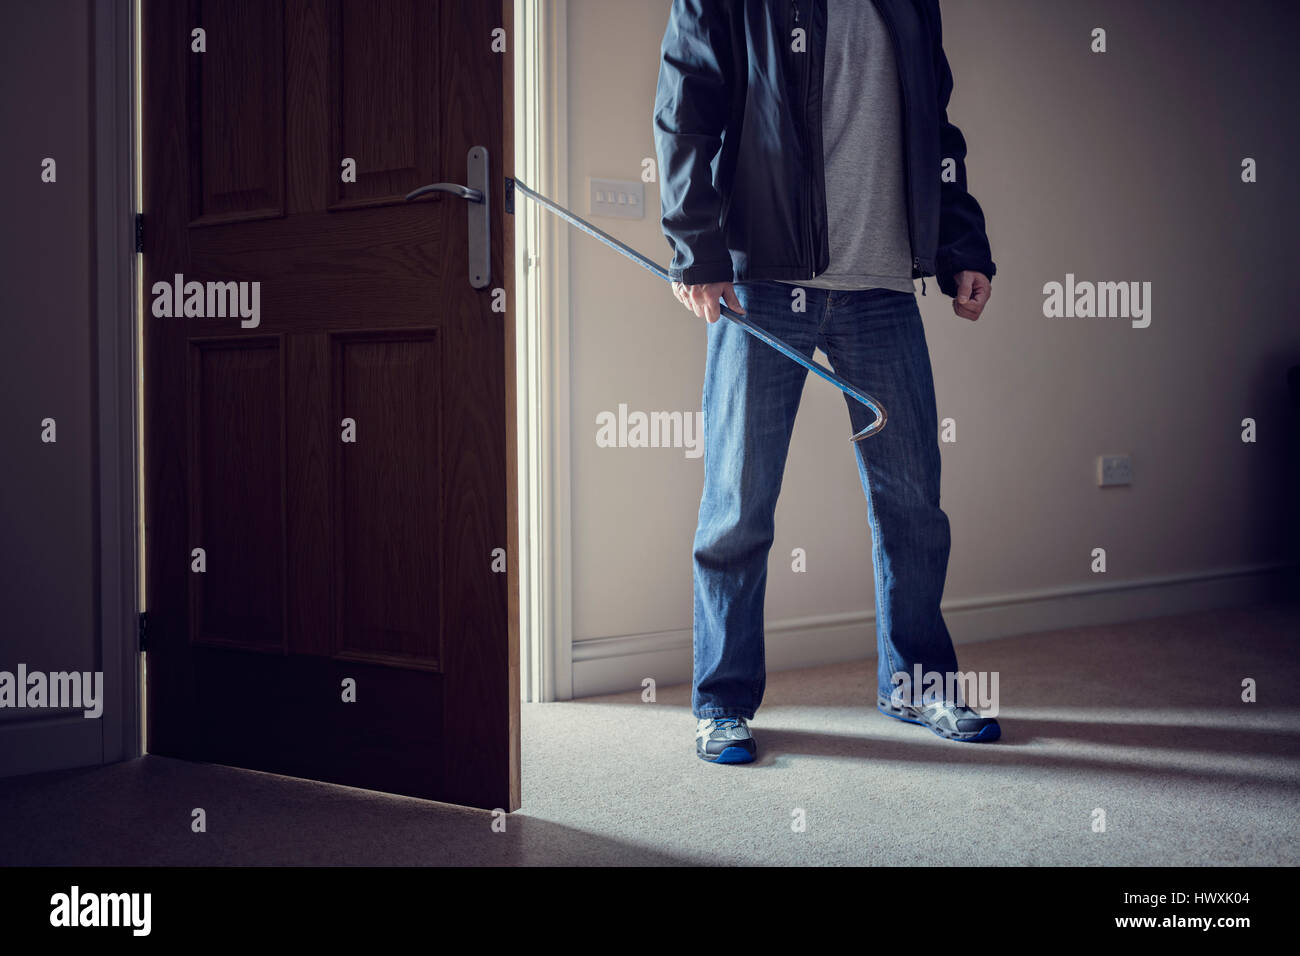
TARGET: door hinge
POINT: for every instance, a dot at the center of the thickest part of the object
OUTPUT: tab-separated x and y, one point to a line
510	196
142	630
139	232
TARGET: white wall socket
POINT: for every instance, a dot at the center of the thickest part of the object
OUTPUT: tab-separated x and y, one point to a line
1114	470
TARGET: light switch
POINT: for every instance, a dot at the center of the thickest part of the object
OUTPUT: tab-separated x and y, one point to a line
617	198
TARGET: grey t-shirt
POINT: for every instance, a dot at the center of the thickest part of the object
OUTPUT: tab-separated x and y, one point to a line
862	142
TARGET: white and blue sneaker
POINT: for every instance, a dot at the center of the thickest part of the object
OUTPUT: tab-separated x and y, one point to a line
947	719
724	740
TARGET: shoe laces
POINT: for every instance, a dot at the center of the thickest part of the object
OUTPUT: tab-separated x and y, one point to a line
953	709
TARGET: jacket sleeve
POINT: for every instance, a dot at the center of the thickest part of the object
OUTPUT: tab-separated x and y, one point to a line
690	115
963	242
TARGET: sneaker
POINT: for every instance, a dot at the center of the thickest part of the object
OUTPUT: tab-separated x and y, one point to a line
943	717
724	740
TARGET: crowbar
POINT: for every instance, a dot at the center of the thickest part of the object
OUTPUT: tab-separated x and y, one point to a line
649	264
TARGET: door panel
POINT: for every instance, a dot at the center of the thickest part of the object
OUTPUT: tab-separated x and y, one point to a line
388	122
327	560
236	475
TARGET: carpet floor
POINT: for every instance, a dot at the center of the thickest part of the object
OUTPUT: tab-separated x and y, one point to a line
1141	721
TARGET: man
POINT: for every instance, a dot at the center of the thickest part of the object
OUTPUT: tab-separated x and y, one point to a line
808	174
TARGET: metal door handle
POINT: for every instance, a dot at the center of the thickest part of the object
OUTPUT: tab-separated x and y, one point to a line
479	212
464	192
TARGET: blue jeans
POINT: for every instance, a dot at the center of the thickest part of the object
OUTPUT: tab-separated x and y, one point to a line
875	340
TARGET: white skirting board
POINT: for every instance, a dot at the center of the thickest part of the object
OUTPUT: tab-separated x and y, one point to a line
50	743
612	665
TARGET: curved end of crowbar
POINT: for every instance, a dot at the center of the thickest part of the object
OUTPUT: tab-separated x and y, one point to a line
874	427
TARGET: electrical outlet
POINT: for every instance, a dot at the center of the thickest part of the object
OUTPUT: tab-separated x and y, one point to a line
1114	470
617	198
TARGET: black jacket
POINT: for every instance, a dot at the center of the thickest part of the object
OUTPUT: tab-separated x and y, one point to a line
738	132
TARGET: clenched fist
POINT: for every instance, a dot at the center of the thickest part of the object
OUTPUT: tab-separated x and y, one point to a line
973	291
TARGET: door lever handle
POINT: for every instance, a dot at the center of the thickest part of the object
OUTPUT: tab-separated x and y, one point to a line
464	192
479	233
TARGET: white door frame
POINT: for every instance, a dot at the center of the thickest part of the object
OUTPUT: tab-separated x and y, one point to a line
542	352
117	358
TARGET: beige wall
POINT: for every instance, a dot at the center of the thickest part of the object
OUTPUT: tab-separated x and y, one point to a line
1122	166
47	541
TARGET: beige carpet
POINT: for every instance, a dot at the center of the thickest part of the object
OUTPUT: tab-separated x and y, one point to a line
1143	721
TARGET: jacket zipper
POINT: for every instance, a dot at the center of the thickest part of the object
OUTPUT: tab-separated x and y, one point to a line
815	123
907	172
807	190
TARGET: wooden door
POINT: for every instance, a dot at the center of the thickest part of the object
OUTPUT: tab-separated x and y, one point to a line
378	557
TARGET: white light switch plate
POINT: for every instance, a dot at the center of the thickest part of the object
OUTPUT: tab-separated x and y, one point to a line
616	198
